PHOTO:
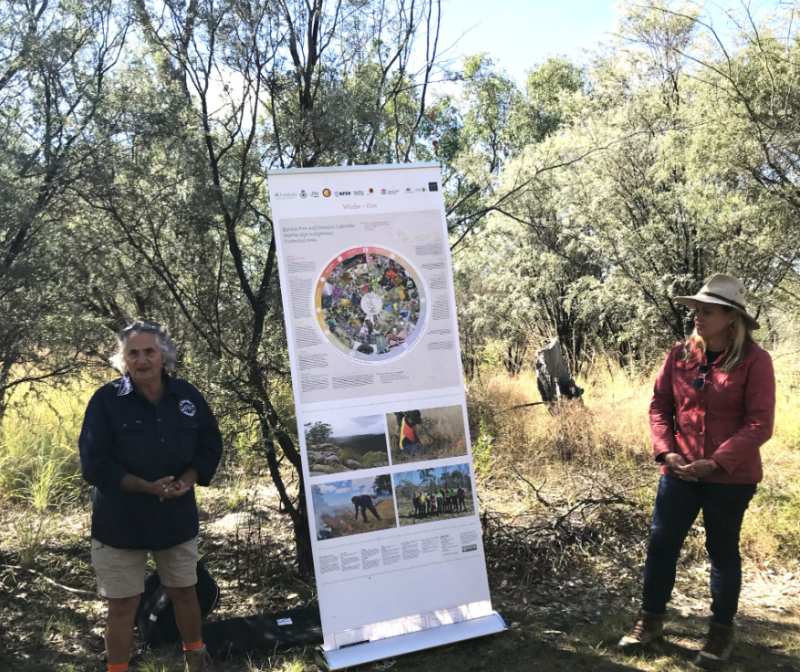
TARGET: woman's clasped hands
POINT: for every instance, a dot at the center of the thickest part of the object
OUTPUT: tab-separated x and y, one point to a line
689	471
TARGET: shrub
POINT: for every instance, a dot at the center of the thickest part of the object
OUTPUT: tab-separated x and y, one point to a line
373	459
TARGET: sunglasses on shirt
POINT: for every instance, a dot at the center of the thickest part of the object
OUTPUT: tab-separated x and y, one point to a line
700	382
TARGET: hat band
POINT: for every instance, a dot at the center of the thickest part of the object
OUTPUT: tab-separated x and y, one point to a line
725	298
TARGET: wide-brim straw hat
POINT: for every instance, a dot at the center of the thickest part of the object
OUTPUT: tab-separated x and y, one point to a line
724	290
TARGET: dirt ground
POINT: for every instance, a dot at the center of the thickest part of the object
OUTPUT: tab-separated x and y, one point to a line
51	621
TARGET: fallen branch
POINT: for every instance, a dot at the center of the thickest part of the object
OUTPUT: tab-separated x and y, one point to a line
533	487
514	408
76	591
572	516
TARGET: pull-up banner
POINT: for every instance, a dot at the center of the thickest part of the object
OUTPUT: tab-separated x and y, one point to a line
370	314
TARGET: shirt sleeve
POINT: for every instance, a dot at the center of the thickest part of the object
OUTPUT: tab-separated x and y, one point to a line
209	449
94	444
759	416
662	410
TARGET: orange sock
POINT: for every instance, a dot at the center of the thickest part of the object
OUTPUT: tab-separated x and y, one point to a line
118	667
193	645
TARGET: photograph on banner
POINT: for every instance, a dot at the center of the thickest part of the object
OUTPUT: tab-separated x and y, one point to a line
370	304
427	495
337	443
357	506
419	435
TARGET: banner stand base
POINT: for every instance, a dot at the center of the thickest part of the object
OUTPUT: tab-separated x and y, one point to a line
416	641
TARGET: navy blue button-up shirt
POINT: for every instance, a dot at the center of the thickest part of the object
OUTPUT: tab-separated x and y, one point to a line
124	433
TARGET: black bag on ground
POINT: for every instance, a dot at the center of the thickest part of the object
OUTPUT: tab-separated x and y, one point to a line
264	632
155	618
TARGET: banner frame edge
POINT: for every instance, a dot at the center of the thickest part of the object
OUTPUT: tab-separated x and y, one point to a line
494	623
347	169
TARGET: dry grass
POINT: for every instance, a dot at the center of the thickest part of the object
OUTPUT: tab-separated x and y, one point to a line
342	523
581	577
39	447
607	438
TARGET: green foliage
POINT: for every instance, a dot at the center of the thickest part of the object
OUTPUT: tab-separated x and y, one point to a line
319	432
52	61
359	445
374	459
154	666
31	532
659	174
482	451
383	483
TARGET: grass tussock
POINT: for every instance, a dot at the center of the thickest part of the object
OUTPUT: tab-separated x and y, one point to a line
39	460
40	466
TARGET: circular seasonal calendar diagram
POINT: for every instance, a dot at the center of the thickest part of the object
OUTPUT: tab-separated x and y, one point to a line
370	304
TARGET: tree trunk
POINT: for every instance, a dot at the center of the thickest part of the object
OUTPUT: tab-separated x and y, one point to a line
553	377
297	510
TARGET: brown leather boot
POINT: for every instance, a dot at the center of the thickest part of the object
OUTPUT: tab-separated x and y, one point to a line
198	660
717	649
649	627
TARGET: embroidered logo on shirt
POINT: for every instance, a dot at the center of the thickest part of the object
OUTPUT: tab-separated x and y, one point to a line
187	407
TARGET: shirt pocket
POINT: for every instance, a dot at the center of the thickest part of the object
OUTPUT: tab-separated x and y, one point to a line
129	448
682	387
730	392
188	437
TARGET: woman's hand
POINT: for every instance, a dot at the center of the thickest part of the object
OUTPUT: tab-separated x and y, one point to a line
697	470
183	484
161	487
677	465
674	462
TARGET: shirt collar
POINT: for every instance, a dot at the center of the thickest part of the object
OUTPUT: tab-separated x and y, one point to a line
718	359
125	386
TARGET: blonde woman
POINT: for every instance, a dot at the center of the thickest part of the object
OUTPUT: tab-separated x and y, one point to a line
713	408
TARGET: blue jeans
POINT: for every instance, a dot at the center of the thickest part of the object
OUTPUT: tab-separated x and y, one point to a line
677	504
413	450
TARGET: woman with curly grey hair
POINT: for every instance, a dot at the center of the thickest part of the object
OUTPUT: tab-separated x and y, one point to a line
147	440
162	338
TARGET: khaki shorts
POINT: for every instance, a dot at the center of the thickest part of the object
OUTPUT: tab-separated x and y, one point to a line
120	571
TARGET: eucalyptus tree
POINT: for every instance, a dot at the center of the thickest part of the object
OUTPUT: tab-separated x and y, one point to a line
478	132
741	155
218	93
536	270
623	225
54	60
601	223
511	279
663	177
